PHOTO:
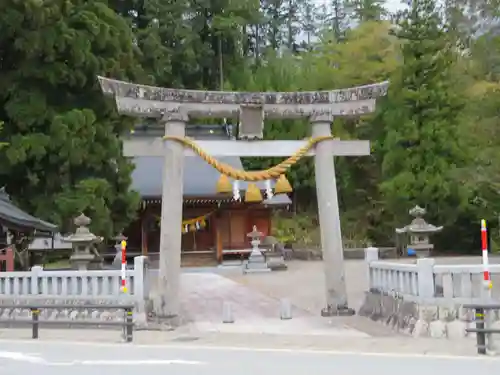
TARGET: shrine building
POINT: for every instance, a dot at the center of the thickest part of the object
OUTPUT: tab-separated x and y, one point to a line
215	225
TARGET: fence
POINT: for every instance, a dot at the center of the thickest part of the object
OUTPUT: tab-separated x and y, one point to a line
425	281
127	323
95	286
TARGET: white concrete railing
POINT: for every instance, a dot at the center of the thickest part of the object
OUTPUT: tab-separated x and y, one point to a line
76	285
424	281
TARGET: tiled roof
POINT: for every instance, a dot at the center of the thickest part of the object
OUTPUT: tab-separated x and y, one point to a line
14	218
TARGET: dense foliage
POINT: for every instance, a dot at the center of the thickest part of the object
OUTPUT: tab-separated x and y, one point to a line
435	137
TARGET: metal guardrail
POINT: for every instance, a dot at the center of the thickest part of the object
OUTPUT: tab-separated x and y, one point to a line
127	323
481	330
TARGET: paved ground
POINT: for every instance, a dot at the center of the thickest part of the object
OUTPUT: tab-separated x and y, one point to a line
255	301
57	358
304	283
257	326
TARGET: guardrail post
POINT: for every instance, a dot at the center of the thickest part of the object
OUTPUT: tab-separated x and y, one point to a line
480	334
129	321
35	312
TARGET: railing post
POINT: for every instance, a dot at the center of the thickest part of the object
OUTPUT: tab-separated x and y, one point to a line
35	274
140	285
425	278
371	255
35	312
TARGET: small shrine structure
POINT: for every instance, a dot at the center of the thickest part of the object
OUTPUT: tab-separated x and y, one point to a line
417	233
16	225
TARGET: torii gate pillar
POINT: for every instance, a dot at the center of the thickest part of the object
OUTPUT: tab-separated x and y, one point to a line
167	303
329	218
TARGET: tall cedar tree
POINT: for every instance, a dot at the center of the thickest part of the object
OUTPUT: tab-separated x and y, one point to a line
422	151
64	155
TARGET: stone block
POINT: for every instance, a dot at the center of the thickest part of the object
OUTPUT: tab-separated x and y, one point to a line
469	324
408	313
456	329
437	329
421	328
465	314
428	313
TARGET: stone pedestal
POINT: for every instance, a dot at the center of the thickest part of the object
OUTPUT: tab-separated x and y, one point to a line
81	262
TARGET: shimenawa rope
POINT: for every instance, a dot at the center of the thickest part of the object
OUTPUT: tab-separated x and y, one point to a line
242	175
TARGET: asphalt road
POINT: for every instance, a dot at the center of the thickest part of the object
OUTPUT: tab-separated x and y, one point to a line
58	358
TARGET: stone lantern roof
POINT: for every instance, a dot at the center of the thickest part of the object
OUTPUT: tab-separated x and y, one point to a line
82	233
418	224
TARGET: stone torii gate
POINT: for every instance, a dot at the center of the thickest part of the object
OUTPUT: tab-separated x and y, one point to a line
174	107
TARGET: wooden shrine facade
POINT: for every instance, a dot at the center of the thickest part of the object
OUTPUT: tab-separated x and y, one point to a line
224	232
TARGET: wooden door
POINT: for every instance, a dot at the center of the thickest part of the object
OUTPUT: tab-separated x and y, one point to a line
239	230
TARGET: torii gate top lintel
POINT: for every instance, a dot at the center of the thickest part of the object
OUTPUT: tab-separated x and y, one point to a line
150	101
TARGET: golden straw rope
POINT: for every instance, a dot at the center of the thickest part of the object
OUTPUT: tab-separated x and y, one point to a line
242	175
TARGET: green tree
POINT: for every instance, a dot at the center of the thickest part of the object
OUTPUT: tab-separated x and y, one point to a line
308	22
63	155
422	150
367	10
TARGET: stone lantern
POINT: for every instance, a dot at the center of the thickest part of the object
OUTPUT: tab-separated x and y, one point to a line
117	261
83	243
256	261
418	232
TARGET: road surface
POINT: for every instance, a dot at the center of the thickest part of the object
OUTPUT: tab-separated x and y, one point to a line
58	358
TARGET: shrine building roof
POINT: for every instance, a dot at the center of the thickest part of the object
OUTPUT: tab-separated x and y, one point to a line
14	218
200	179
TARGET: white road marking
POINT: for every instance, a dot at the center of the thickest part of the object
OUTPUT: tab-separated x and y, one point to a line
21	357
140	362
268	350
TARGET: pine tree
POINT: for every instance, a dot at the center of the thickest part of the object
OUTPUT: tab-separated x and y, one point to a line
274	12
422	150
308	21
338	19
367	10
